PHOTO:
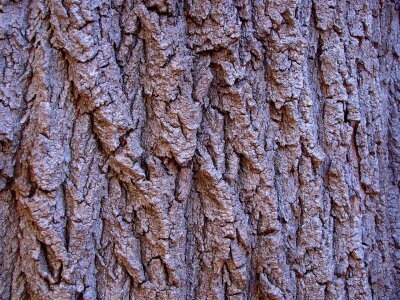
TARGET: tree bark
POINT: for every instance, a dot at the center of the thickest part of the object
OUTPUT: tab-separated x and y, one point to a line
199	149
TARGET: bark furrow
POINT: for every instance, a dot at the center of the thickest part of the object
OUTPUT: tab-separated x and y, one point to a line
199	149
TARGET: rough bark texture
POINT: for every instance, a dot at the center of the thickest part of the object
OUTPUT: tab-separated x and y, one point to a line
199	149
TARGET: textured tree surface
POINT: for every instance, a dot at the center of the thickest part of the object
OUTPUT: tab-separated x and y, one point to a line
199	149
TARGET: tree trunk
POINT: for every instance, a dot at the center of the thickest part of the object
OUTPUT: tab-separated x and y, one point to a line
199	149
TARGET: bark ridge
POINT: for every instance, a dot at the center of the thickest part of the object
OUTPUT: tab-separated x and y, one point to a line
199	149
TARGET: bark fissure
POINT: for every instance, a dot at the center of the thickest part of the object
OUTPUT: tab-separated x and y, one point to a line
208	149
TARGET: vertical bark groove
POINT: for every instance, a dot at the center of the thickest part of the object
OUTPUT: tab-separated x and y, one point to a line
208	149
